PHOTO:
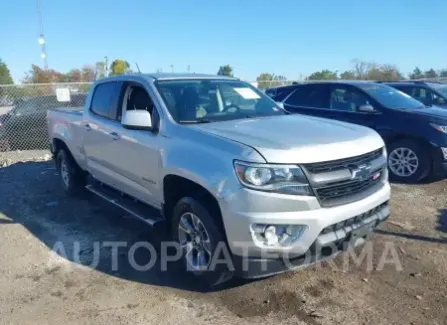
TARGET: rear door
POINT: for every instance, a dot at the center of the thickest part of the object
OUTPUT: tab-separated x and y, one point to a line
134	156
310	99
99	127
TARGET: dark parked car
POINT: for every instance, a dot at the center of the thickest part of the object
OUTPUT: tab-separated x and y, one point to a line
429	93
415	135
24	126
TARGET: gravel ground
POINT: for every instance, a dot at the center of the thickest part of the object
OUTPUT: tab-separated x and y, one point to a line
39	286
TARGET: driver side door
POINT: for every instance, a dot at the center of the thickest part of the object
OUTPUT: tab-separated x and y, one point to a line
345	101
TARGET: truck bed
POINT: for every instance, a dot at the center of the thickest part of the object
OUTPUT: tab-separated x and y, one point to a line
64	123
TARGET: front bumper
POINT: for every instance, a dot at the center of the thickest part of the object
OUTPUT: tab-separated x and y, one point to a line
439	161
246	207
330	242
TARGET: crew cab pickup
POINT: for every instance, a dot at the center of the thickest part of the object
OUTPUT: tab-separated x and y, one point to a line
233	176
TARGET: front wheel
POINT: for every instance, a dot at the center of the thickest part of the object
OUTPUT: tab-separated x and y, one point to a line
408	161
201	237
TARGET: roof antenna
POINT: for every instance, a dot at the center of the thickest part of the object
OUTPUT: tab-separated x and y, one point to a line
138	68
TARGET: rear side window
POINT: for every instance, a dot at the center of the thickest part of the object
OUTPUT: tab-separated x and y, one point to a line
283	92
271	92
103	98
310	96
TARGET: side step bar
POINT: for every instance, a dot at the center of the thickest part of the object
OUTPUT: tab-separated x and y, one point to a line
136	209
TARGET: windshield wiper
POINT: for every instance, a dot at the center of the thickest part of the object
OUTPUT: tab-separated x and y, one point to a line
199	121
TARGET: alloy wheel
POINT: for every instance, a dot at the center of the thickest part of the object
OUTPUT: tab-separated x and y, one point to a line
403	162
64	173
195	241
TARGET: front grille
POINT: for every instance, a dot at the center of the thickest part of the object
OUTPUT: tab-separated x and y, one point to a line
345	163
356	221
347	190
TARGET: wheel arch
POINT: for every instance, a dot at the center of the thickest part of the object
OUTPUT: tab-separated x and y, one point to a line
399	137
175	187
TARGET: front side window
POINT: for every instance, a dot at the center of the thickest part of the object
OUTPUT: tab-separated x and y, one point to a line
347	99
440	96
442	90
102	98
420	93
438	100
390	97
137	98
191	101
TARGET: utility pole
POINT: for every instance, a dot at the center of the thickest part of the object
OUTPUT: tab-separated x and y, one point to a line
43	54
189	68
172	68
106	67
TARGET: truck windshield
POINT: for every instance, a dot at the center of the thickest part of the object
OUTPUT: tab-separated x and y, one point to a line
212	100
391	97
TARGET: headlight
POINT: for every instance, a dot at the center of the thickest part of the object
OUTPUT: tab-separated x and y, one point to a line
284	179
440	128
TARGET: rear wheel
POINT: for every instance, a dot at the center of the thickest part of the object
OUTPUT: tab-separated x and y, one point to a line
408	161
200	237
73	178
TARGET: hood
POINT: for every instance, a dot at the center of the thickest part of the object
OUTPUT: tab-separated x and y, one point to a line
432	111
297	138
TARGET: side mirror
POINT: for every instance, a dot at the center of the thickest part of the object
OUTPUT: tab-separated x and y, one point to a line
137	120
366	109
280	104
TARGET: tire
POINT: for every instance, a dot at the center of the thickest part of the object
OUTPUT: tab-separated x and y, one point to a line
222	271
416	154
73	178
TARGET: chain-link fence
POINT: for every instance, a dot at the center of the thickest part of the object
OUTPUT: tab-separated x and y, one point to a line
23	110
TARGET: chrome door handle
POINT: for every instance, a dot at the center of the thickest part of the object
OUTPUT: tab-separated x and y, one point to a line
115	136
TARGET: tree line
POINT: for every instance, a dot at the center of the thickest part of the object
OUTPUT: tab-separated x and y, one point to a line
360	70
86	73
373	71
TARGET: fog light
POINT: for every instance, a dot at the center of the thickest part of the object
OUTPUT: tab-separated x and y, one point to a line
444	153
276	235
270	235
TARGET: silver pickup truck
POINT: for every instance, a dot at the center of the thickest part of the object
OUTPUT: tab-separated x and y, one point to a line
225	168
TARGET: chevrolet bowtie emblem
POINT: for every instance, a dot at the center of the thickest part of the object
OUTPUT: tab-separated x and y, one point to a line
361	172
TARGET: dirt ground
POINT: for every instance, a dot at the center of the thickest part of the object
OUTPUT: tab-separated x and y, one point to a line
39	286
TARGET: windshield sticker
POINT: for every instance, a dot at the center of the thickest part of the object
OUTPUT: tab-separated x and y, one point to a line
247	93
63	94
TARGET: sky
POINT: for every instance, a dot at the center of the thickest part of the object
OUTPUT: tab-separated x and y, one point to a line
292	38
